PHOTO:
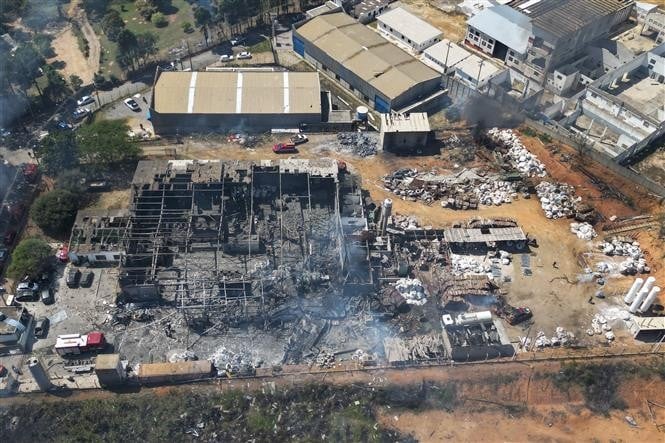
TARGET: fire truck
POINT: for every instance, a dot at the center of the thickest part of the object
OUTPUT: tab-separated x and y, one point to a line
75	344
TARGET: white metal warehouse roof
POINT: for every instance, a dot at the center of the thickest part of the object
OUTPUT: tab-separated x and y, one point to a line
366	54
504	24
410	26
238	92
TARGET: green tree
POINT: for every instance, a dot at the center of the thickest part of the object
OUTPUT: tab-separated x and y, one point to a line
187	27
127	48
58	152
106	142
75	81
24	67
203	19
29	258
112	24
159	20
57	87
146	8
55	211
146	44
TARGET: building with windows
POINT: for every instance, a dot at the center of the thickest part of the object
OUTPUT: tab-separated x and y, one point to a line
373	69
536	36
408	30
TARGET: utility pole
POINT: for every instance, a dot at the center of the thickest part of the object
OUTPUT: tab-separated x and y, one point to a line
447	52
480	68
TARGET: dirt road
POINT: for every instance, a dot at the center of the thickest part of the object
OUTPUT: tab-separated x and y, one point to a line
67	49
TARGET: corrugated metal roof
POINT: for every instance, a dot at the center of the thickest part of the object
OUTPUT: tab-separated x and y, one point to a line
504	24
366	54
564	17
439	51
410	26
473	235
240	92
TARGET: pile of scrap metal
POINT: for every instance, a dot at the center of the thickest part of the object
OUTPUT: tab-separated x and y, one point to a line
413	349
463	190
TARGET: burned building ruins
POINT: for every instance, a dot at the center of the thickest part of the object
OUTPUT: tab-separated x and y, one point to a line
292	249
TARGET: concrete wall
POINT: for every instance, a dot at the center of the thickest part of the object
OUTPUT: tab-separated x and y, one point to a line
206	123
403	141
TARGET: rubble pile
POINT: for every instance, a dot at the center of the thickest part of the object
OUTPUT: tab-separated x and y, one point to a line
462	265
583	231
517	155
228	362
599	326
405	222
362	144
464	190
325	359
412	290
561	337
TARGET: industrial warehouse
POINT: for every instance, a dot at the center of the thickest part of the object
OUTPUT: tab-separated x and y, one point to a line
186	102
372	68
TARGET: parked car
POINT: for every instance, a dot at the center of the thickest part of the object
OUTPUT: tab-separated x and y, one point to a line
47	296
131	104
41	327
226	58
73	277
63	125
298	139
284	148
244	55
27	291
86	279
235	41
98	186
79	113
85	100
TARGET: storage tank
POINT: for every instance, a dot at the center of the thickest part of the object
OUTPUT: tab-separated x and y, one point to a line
361	113
632	292
638	299
39	374
473	318
649	284
653	294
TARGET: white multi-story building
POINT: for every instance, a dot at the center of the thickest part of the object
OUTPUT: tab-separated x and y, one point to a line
408	30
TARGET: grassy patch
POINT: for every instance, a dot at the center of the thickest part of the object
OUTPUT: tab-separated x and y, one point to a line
599	383
262	46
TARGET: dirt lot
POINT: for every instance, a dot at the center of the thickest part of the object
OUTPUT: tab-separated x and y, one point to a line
453	25
653	167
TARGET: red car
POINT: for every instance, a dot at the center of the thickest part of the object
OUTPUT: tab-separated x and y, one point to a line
284	148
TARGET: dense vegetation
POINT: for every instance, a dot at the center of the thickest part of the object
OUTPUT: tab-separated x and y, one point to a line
29	258
307	413
55	211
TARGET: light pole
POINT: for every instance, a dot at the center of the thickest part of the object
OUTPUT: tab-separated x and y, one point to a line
447	52
480	68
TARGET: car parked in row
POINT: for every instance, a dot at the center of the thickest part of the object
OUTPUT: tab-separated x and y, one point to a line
80	113
226	58
284	148
85	100
131	104
244	55
27	291
47	296
41	327
298	139
73	277
86	279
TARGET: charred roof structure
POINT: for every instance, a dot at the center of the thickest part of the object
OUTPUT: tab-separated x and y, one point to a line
186	102
212	238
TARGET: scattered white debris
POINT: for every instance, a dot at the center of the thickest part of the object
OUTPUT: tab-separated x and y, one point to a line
463	264
561	337
583	231
518	156
412	290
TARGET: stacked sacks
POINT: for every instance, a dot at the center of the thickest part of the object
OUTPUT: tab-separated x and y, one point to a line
496	192
557	199
583	231
518	156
